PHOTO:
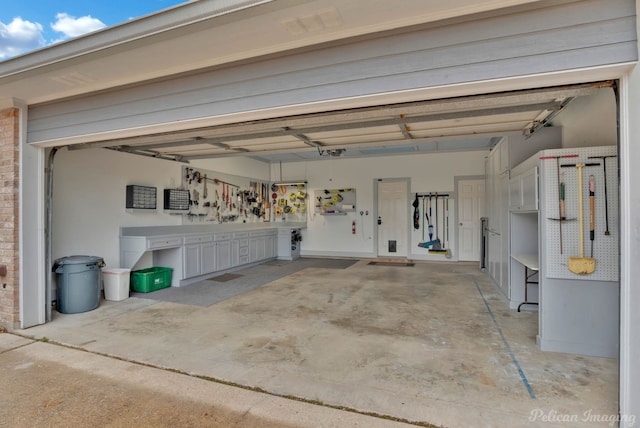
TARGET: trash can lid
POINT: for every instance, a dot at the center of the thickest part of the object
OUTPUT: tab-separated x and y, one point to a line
78	260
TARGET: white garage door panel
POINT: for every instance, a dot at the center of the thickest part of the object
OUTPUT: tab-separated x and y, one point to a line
575	35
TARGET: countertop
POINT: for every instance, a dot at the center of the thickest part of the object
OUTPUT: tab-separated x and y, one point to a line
206	228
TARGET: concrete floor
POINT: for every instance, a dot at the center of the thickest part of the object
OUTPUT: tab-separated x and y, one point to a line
432	343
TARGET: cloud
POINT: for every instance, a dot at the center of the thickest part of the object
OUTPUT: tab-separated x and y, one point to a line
71	26
19	36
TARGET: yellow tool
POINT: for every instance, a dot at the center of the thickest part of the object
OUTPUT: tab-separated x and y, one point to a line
581	265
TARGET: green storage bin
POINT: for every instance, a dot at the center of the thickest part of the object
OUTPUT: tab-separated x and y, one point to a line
151	279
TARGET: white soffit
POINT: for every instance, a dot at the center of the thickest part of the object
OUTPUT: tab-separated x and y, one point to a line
196	35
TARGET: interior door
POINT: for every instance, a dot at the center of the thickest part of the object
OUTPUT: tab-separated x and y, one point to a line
393	218
470	208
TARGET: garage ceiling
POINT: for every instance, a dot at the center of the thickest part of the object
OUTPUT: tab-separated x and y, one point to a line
465	123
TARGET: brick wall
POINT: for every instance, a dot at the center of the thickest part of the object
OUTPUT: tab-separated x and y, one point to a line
9	216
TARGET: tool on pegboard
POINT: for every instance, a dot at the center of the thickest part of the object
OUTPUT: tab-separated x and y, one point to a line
606	202
562	216
592	221
581	265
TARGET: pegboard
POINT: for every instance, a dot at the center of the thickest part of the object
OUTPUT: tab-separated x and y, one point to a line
225	198
605	247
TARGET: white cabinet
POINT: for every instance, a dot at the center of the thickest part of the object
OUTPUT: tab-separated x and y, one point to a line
240	249
262	245
160	242
494	259
257	250
194	255
208	258
223	255
270	246
198	255
191	260
523	191
502	152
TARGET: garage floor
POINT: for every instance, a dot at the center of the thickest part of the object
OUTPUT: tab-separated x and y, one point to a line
433	343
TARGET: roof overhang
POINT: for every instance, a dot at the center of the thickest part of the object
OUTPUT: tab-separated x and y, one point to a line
207	33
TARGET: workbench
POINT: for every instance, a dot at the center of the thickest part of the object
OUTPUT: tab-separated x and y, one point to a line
531	268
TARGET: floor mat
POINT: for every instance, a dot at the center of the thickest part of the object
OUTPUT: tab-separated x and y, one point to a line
226	277
211	291
407	264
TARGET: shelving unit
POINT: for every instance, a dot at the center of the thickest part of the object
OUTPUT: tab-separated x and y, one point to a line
577	314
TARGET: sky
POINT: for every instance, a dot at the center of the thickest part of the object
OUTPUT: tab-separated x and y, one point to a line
26	25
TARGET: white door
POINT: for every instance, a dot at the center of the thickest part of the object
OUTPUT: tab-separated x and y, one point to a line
470	208
393	218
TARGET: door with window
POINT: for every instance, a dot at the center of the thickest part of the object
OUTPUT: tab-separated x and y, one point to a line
393	218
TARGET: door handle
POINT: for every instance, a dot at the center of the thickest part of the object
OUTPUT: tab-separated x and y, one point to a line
379	220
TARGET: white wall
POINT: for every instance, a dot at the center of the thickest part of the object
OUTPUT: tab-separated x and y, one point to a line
589	121
332	235
89	199
89	196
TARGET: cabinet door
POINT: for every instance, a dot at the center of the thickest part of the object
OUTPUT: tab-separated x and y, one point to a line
235	252
494	259
223	255
489	199
270	247
208	257
191	260
262	251
529	186
515	193
257	249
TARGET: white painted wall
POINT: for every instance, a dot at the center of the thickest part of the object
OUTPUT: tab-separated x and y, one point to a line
332	235
89	199
589	121
89	196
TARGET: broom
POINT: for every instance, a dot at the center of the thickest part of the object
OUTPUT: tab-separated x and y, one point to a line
581	265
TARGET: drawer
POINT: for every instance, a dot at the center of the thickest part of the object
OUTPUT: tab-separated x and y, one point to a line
164	242
244	251
237	235
222	237
258	233
243	243
198	238
244	260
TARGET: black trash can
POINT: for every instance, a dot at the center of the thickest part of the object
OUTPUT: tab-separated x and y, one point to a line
78	280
